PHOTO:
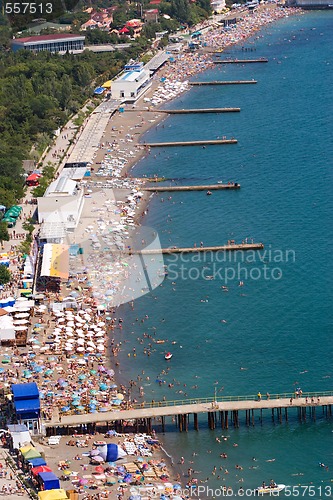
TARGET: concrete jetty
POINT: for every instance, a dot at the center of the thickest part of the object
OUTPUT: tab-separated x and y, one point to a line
240	61
198	110
184	111
212	187
217	82
231	247
190	143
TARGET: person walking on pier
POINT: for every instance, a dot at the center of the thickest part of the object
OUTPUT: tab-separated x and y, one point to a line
259	396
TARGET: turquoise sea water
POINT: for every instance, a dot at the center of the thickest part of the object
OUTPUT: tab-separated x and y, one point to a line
274	333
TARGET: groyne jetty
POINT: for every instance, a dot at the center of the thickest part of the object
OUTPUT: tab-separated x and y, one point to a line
185	111
217	82
240	61
209	142
199	110
223	248
212	187
220	412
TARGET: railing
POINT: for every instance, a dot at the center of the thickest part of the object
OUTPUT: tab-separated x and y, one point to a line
308	397
227	399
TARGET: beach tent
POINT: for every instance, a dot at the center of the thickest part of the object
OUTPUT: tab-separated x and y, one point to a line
19	433
33	179
36	462
57	494
99	91
41	468
107	85
30	454
49	480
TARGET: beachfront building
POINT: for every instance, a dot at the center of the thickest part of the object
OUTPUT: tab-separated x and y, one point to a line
26	404
218	5
61	204
132	83
52	43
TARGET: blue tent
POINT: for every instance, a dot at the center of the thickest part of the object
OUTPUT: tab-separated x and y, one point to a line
50	480
99	91
35	462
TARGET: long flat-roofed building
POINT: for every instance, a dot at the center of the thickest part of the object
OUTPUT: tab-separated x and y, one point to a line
53	43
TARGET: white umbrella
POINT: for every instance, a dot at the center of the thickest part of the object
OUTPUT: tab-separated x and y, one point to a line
69	334
61	320
90	349
20	321
71	323
91	344
99	334
101	323
80	349
68	348
21	315
80	341
20	328
100	348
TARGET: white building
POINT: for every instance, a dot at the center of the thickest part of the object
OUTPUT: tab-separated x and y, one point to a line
61	204
132	83
218	6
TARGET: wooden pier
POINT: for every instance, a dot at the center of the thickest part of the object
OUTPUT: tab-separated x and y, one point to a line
222	411
216	82
240	61
210	142
222	248
212	187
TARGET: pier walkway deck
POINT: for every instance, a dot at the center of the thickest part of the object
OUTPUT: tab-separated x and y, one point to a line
223	248
190	143
217	82
196	406
240	61
212	187
185	111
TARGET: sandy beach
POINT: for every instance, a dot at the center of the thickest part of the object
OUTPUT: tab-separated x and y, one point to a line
71	353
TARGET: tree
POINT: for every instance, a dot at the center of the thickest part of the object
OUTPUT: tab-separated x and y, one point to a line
5	275
4	235
181	10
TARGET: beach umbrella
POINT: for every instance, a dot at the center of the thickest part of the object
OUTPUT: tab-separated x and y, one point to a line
82	376
92	372
80	349
48	372
83	481
103	387
75	402
111	452
120	396
110	373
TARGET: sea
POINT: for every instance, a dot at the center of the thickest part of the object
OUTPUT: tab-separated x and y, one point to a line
239	324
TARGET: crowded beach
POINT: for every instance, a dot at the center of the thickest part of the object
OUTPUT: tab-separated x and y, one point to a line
63	333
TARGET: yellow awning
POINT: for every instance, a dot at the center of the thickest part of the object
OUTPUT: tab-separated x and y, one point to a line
107	85
24	449
58	494
55	262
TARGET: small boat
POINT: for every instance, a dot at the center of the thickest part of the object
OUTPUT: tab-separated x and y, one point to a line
270	489
168	356
159	341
